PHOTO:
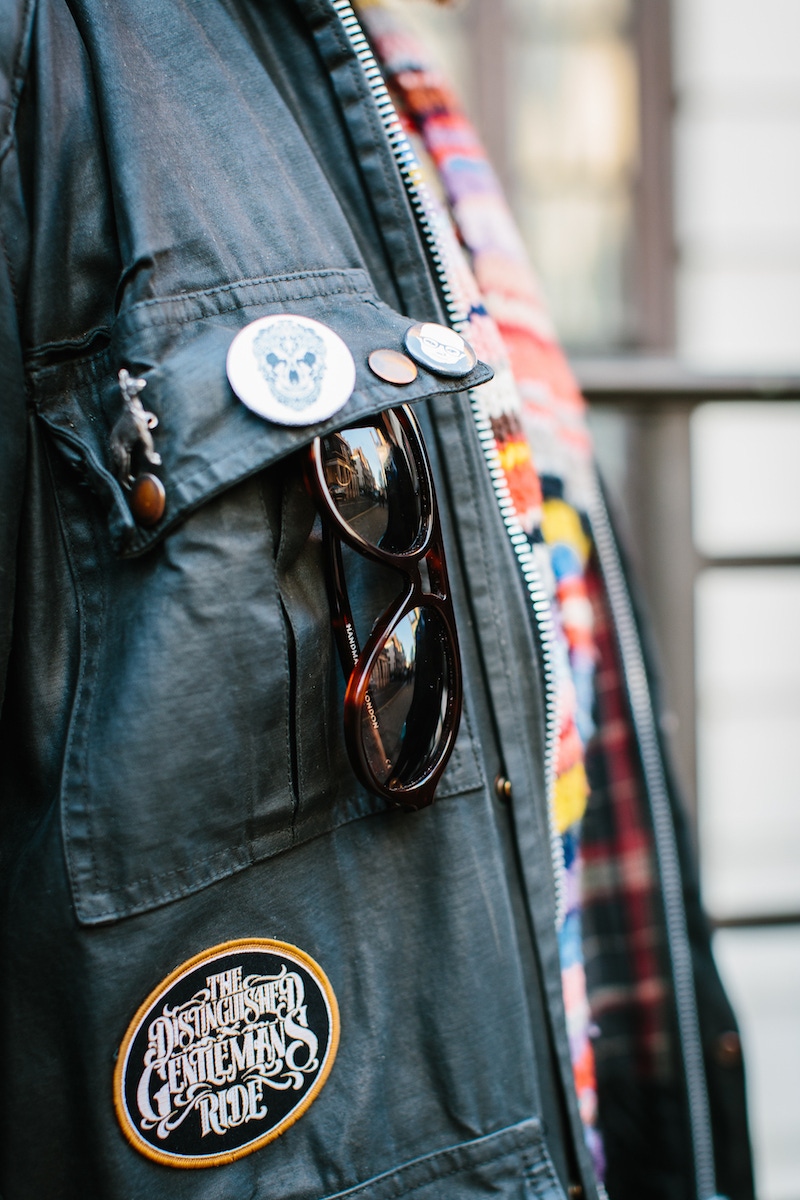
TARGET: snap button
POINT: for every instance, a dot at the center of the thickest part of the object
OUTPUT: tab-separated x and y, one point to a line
392	366
147	500
441	350
502	787
727	1049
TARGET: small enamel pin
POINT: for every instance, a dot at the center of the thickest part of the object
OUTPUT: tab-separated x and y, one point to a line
440	350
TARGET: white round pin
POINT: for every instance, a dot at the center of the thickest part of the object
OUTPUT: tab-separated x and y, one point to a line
291	369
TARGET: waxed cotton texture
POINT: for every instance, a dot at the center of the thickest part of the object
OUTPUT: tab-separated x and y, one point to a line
274	190
175	779
227	628
114	280
196	596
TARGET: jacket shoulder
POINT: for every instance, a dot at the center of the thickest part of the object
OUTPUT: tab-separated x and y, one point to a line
16	22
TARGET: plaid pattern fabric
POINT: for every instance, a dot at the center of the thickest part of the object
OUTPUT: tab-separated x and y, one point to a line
624	942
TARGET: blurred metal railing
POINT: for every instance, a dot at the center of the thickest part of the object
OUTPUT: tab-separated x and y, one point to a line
648	382
656	397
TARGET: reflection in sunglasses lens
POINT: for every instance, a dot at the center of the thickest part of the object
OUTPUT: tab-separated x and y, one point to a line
402	721
373	481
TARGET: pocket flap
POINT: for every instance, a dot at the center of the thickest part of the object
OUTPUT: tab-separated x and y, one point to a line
206	437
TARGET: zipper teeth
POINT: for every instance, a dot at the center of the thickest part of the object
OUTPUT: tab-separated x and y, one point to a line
633	670
419	197
542	611
404	156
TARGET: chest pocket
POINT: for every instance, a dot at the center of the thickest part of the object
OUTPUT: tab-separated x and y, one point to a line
206	723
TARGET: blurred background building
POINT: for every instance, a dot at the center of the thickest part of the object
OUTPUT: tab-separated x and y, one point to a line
651	151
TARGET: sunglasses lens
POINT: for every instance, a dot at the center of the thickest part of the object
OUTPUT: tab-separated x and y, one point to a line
404	717
374	483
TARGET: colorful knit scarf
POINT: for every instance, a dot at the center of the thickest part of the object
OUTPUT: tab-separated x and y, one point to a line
537	416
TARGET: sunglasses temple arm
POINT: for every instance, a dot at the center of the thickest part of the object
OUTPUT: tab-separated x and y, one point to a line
344	628
341	616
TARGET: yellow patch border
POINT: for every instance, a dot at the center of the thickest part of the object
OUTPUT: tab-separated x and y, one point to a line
215	1160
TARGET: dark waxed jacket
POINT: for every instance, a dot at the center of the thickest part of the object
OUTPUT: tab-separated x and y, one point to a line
173	770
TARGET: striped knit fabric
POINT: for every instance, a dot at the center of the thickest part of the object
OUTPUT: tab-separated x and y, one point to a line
538	420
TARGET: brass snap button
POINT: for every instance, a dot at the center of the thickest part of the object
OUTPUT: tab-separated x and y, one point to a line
392	366
502	787
727	1049
147	500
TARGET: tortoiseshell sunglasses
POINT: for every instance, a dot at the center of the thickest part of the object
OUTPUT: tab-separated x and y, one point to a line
373	487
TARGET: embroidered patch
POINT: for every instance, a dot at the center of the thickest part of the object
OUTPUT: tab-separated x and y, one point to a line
226	1053
291	369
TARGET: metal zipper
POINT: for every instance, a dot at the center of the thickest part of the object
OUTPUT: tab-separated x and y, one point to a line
403	153
638	691
423	209
543	615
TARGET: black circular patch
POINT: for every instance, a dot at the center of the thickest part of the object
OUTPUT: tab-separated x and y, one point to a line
226	1053
440	349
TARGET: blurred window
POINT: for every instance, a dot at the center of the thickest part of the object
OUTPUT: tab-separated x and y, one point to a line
573	155
572	99
745	479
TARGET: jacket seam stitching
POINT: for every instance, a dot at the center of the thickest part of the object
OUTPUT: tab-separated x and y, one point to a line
190	320
160	896
291	718
120	888
82	702
396	1194
255	281
353	290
